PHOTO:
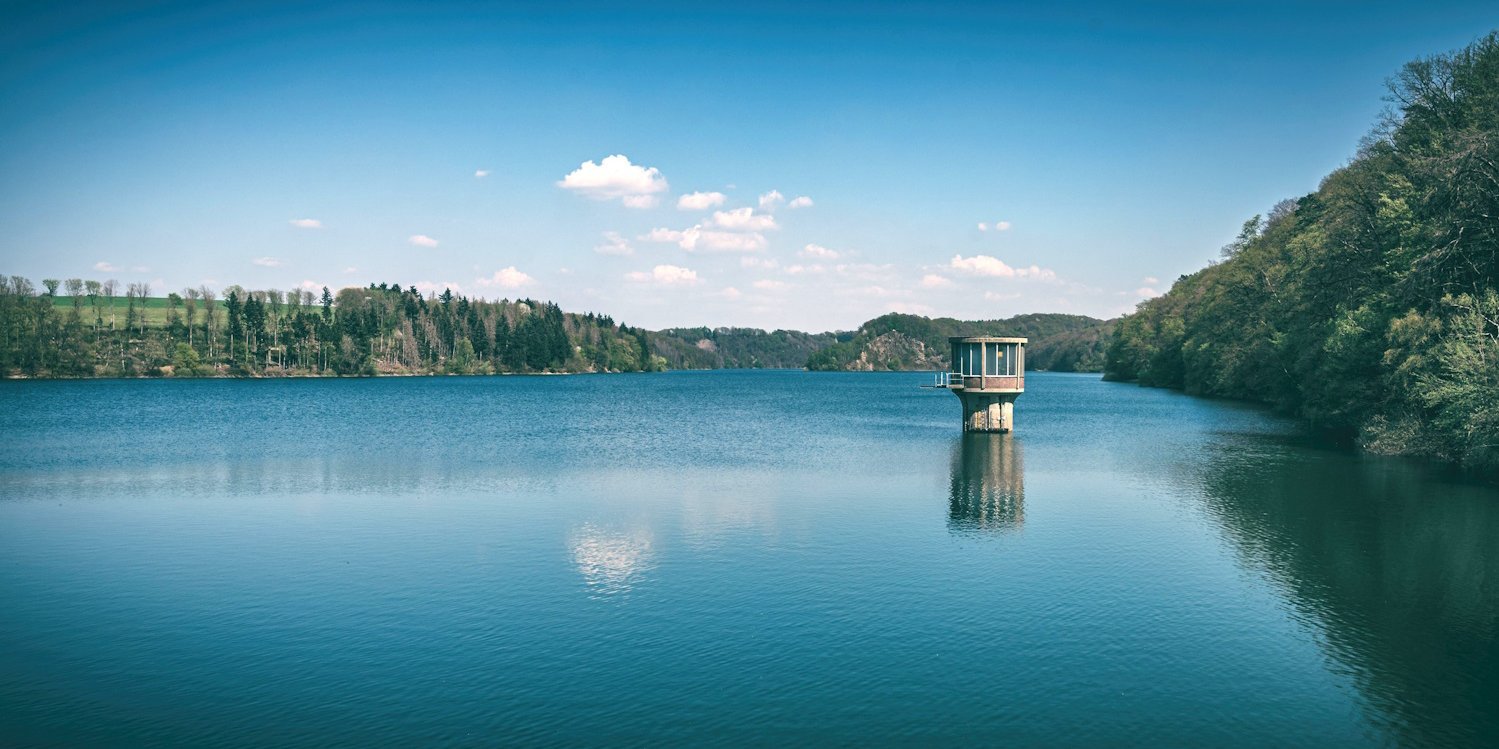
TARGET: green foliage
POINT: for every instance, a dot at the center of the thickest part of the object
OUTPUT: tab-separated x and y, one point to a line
185	360
357	332
1367	307
1065	343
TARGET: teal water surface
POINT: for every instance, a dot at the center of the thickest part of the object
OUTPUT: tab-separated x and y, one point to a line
723	558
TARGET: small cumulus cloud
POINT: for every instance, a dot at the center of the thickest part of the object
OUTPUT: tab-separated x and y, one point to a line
307	223
800	201
267	262
106	266
614	177
993	267
996	226
350	269
697	237
422	240
1150	280
614	244
1146	292
507	278
700	201
481	173
665	275
767	284
820	252
744	219
934	281
771	200
766	263
729	292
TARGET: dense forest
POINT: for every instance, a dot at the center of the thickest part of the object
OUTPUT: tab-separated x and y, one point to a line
91	331
1369	306
1063	343
737	348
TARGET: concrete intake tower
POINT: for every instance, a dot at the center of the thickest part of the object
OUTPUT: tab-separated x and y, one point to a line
988	375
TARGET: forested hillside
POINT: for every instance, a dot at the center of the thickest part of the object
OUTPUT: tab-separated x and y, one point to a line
91	331
1064	343
1370	305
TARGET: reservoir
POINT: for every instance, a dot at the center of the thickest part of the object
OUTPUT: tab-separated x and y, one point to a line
724	558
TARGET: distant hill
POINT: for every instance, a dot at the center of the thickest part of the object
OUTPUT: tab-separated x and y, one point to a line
738	348
1063	343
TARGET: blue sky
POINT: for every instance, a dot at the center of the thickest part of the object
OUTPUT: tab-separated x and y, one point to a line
1105	148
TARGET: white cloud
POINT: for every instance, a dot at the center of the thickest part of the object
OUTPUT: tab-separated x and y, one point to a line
615	177
995	296
1147	292
614	244
771	199
730	292
665	275
723	241
106	266
766	284
308	285
934	281
507	278
993	267
696	236
768	263
481	173
1001	226
1150	280
307	223
800	201
744	219
983	226
422	240
700	201
818	251
351	269
799	269
267	262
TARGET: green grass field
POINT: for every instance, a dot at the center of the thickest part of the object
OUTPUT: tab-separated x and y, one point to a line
155	309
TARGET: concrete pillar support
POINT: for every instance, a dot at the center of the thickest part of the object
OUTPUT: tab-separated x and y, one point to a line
988	412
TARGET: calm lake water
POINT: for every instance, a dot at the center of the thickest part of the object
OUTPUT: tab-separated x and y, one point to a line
724	558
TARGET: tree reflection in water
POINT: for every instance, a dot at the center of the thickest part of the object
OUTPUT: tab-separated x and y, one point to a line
1396	566
987	493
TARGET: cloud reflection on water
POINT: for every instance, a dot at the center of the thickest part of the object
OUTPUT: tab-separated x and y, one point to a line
612	562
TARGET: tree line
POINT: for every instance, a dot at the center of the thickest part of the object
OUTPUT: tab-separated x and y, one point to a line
1369	307
85	328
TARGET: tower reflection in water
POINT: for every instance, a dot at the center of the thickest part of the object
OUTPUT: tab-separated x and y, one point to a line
987	494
